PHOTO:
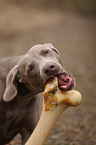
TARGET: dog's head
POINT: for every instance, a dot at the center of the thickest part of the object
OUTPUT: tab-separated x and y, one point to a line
33	70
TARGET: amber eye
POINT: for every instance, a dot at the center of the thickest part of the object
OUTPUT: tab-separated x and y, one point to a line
46	52
30	68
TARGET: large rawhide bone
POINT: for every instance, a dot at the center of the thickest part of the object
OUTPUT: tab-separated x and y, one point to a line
55	102
53	96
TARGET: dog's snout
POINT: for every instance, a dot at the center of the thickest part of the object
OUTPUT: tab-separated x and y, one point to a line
50	69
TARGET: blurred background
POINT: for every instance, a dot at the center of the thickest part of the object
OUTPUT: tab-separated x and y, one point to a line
70	25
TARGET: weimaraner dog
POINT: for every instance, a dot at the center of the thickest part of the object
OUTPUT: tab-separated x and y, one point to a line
21	79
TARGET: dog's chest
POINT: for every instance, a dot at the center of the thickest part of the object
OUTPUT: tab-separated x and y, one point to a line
9	122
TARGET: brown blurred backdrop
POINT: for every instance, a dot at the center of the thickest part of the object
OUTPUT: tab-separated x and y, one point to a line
70	25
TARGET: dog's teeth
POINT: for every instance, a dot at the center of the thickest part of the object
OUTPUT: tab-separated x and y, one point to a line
63	87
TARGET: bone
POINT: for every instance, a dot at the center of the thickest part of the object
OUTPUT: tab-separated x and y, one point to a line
55	102
53	96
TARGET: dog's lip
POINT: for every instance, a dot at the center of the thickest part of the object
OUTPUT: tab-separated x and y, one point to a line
65	81
48	78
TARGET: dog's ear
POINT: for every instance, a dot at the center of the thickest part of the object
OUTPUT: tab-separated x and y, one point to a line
11	85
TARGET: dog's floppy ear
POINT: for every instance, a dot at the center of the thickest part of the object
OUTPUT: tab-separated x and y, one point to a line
11	85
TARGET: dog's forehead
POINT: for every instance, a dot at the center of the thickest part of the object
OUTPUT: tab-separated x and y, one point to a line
38	47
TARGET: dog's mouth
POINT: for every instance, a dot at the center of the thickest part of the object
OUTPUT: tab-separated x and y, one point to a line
65	81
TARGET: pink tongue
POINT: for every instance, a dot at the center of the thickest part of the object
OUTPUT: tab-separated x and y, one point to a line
65	82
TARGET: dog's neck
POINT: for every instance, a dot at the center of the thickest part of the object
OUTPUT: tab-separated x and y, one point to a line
22	101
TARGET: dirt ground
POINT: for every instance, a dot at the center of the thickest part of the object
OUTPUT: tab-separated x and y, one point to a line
75	37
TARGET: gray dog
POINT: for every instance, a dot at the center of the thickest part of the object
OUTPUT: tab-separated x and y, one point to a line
21	79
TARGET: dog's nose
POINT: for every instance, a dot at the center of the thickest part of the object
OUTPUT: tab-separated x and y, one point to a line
50	69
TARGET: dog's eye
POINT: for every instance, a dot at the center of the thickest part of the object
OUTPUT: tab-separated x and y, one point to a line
45	52
30	68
